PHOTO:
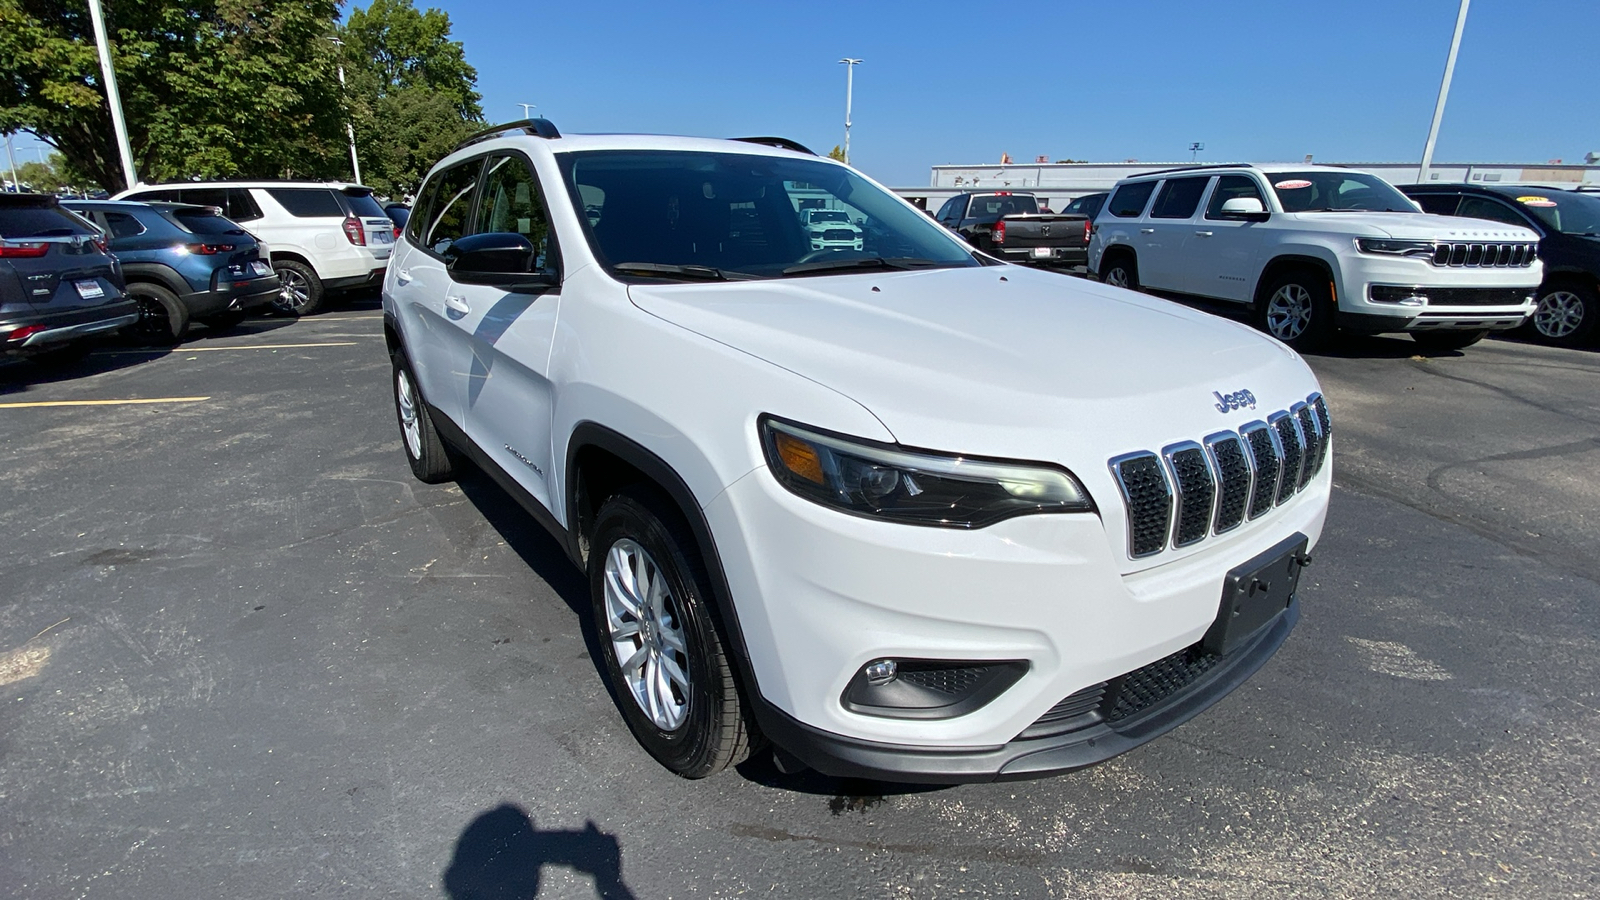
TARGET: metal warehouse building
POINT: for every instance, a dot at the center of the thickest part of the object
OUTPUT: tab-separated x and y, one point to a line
1057	183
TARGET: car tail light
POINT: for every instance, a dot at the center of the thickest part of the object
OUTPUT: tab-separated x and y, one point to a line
23	249
1088	229
21	334
355	232
208	249
100	243
397	232
998	236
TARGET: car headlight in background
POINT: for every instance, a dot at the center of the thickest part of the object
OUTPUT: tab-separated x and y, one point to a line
912	486
1387	247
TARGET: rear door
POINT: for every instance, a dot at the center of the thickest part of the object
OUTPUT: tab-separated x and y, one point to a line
1162	262
508	390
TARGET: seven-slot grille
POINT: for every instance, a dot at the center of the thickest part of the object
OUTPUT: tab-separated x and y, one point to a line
1498	255
1190	491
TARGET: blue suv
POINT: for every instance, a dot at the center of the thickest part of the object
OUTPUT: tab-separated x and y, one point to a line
183	263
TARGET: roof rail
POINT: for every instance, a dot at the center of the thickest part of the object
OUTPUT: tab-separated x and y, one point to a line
537	127
1193	168
779	142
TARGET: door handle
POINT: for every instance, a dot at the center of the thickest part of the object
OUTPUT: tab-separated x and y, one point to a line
457	304
1147	231
1203	233
402	277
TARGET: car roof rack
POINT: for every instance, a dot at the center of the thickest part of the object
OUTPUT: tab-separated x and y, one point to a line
537	127
780	142
1193	168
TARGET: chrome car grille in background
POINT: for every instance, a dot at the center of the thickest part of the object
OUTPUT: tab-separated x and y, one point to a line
1191	491
1484	255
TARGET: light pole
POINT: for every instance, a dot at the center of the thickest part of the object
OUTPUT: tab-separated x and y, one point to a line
1444	91
525	108
12	156
849	90
350	128
1194	150
113	98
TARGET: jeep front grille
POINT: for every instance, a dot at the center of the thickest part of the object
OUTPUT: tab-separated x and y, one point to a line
1518	255
1190	491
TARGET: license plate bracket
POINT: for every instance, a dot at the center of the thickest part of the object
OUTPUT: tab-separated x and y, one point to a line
1256	592
1043	252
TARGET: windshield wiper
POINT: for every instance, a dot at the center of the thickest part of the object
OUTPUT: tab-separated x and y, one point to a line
860	262
667	270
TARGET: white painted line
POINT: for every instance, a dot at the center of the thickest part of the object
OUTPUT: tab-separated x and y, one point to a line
235	347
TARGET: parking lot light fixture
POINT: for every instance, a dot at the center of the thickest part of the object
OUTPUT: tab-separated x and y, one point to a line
527	109
849	89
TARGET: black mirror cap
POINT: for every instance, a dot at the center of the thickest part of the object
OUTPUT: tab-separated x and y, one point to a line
1249	216
499	259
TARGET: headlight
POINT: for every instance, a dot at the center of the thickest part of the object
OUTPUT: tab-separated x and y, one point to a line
1421	249
882	481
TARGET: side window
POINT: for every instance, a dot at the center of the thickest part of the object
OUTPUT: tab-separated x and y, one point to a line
1493	210
509	201
1179	198
1129	200
306	203
241	206
1232	187
122	225
945	210
419	209
151	196
448	208
1438	204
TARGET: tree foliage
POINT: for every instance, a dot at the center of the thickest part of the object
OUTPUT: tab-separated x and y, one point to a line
238	88
836	153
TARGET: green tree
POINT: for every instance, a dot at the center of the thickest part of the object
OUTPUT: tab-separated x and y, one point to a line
411	93
210	88
836	153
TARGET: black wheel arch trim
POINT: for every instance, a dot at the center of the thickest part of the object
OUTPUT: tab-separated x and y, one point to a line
1278	264
158	274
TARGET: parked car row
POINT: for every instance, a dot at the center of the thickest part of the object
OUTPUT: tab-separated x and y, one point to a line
59	282
1312	251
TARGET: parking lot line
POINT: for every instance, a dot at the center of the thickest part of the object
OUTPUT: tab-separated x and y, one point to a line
176	350
150	400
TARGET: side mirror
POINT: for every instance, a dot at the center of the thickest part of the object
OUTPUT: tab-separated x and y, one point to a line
498	259
1246	208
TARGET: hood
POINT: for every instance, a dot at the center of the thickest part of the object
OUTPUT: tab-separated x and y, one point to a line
1415	226
1001	360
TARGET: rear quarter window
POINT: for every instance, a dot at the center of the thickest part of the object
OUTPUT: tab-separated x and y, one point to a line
1130	199
365	206
308	203
205	223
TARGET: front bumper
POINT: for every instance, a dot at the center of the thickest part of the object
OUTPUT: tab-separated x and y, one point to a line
1359	313
819	594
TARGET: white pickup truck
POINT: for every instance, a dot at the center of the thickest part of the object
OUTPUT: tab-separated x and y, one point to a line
831	229
1315	249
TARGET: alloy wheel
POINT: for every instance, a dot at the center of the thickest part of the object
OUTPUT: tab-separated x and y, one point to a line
294	292
154	322
1560	313
410	427
1289	312
1117	277
646	633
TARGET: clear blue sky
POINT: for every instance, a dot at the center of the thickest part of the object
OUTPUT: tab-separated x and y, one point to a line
962	82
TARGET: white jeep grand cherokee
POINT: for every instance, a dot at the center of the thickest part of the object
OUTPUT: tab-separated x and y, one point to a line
1314	249
904	512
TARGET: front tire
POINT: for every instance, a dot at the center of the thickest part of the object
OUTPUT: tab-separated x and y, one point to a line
425	450
1298	309
1567	315
662	654
163	319
1438	341
301	293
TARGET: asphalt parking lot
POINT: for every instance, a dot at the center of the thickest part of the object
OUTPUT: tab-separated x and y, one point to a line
243	653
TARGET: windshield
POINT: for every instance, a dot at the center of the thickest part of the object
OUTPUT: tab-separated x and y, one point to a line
1563	211
710	216
829	215
1337	191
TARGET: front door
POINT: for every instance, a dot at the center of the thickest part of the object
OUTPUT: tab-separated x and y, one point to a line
426	298
508	391
1219	254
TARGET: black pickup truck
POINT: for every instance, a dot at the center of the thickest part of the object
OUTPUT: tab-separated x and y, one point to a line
1009	225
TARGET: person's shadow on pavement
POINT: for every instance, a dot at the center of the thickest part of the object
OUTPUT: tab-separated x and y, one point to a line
500	856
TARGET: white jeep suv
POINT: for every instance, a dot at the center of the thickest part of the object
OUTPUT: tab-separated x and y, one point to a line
905	512
321	236
1314	249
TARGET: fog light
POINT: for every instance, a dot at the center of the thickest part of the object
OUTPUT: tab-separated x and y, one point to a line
1398	295
881	672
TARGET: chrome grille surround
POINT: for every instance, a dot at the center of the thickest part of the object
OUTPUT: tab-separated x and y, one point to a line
1191	491
1520	254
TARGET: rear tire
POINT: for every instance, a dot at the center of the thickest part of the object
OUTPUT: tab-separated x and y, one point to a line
1567	314
1121	270
652	614
1440	341
301	293
425	450
1297	308
163	319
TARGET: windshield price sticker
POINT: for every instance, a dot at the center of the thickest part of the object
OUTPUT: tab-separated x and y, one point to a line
1293	184
1536	201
